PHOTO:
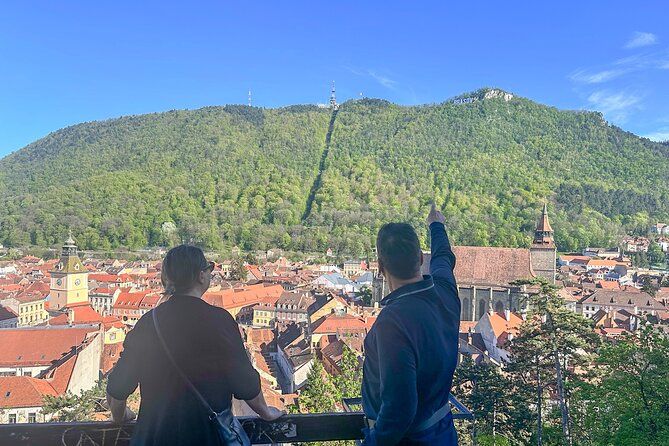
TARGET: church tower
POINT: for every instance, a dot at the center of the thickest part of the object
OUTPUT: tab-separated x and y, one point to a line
543	252
69	279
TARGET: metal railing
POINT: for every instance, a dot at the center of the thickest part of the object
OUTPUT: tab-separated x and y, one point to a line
294	428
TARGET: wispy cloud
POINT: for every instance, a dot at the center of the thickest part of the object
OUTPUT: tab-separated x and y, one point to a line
383	80
597	77
615	105
640	39
660	135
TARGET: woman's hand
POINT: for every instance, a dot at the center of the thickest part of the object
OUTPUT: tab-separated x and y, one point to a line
128	415
272	413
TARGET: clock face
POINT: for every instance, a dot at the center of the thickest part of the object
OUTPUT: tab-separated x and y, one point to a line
77	282
59	282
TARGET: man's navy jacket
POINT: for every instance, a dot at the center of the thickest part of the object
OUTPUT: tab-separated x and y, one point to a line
411	353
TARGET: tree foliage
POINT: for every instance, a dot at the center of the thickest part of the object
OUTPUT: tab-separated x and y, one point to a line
81	407
628	401
241	176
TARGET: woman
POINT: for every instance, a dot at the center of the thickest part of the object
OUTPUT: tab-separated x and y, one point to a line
206	345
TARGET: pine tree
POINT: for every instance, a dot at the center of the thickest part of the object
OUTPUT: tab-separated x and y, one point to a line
349	380
319	394
81	407
500	413
551	345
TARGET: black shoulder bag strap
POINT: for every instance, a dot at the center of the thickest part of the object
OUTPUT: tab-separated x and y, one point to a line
229	429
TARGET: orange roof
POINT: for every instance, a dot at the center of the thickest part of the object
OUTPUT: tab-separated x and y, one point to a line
103	277
255	271
10	287
571	258
607	284
597	263
60	376
83	314
24	391
38	346
130	300
500	325
242	297
112	321
331	323
100	290
466	326
259	335
110	355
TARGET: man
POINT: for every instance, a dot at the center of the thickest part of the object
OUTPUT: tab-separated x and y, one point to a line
411	351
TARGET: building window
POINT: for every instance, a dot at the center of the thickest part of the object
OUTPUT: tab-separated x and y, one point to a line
32	417
28	373
12	418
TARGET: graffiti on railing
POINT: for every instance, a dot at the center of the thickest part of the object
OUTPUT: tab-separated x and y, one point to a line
114	435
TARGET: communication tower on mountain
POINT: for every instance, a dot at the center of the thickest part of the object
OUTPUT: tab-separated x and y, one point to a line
333	98
249	97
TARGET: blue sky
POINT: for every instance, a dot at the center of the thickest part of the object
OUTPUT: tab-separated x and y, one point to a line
62	63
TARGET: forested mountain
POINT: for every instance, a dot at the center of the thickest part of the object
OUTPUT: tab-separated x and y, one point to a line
238	175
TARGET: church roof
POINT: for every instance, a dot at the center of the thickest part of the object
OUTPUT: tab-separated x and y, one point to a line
488	266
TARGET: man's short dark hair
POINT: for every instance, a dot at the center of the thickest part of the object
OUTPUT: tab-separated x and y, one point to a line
398	250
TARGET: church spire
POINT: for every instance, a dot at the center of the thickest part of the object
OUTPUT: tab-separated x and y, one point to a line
543	235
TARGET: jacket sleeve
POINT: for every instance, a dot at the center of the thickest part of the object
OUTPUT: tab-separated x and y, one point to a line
124	377
243	379
399	394
442	262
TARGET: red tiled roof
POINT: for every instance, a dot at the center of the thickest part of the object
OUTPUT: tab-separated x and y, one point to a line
483	265
130	300
110	355
332	323
39	346
103	277
259	336
500	325
83	314
242	297
60	376
112	321
100	290
23	391
607	284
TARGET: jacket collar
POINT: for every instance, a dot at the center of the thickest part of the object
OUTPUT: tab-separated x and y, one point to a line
412	288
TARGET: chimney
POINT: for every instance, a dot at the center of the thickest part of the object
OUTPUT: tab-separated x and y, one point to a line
507	315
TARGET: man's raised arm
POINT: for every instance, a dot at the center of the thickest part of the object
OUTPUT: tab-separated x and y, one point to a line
442	261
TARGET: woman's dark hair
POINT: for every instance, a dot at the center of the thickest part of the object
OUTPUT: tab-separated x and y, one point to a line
181	268
398	250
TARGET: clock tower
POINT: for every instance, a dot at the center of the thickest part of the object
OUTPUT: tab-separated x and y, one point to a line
69	279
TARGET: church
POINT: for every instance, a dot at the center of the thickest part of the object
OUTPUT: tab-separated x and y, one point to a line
484	274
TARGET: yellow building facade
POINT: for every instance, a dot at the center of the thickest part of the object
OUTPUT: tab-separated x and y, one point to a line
32	313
